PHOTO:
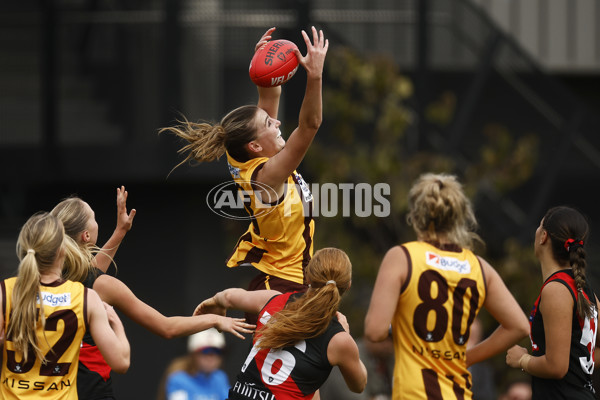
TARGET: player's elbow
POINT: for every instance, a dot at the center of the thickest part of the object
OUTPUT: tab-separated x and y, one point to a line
523	329
120	358
518	330
168	333
359	387
375	336
558	371
122	365
374	333
169	328
314	122
523	332
358	383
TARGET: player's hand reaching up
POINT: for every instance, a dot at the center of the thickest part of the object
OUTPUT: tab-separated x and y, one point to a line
266	37
124	220
268	96
314	60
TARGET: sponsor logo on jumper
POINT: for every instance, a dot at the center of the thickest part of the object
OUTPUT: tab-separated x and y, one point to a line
234	171
447	263
304	189
24	384
439	354
55	300
249	391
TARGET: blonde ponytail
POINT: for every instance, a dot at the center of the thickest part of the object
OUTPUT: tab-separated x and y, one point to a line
24	318
40	242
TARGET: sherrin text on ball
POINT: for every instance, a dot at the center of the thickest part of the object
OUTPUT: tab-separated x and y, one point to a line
274	63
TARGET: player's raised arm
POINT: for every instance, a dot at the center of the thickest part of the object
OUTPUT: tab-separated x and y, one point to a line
116	293
124	223
268	96
239	299
279	166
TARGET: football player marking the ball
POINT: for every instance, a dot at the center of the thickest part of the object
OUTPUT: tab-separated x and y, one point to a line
279	239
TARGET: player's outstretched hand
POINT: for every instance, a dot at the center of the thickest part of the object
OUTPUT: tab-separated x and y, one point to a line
209	306
124	219
316	51
264	39
236	326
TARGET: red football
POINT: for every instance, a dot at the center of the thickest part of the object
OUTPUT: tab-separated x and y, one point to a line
274	63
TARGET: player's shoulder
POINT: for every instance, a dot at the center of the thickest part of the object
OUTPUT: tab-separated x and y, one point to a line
341	345
397	251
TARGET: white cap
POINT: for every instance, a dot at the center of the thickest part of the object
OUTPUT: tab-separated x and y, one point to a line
208	338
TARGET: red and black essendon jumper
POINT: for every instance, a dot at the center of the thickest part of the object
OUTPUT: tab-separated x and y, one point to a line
93	375
294	372
577	383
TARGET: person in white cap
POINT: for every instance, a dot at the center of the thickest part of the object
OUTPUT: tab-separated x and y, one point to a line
197	375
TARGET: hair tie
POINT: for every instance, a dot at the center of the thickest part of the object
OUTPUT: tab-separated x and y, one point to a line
572	244
332	282
31	251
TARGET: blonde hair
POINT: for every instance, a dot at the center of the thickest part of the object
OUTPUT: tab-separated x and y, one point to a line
39	244
439	207
208	142
79	258
330	274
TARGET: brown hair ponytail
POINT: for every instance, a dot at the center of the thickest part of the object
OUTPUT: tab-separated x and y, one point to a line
578	263
329	273
208	142
205	142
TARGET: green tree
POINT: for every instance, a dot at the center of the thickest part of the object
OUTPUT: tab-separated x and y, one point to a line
368	113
